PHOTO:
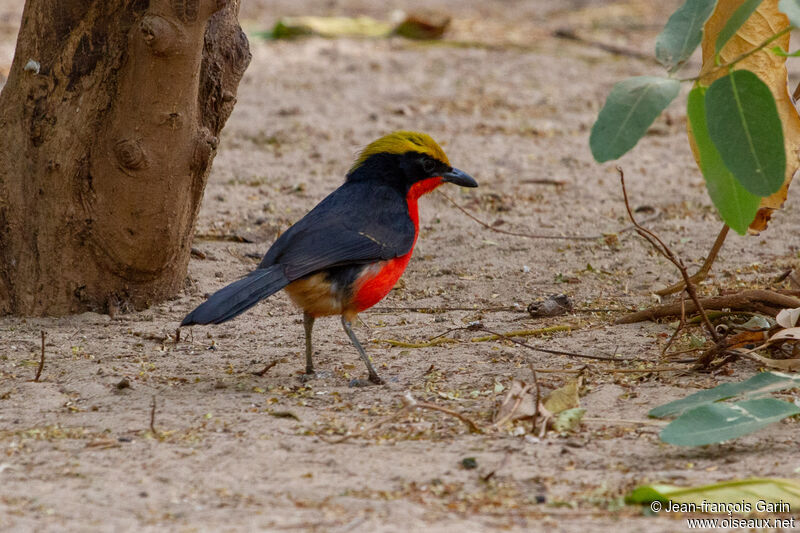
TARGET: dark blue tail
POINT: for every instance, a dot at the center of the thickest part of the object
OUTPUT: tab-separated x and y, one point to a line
236	298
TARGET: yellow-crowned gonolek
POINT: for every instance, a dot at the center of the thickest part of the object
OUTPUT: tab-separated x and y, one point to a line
347	253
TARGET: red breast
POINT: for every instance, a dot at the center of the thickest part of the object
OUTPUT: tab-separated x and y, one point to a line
377	280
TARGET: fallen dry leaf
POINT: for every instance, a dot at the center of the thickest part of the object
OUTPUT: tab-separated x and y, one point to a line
788	334
744	338
784	335
564	398
766	21
518	403
781	364
787	318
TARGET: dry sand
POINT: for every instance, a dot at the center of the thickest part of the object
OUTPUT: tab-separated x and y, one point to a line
239	452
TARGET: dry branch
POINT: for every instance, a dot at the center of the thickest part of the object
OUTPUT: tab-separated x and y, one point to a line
761	300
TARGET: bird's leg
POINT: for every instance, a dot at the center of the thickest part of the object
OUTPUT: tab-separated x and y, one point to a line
373	376
308	325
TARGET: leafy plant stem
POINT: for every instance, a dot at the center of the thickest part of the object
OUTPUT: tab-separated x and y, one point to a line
740	57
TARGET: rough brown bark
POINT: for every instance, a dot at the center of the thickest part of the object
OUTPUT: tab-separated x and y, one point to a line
106	139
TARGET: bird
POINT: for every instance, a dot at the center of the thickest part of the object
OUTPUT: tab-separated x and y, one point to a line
348	252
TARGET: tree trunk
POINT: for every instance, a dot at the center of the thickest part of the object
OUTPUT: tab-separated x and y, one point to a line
108	126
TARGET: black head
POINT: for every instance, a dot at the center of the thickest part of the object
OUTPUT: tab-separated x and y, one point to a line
405	158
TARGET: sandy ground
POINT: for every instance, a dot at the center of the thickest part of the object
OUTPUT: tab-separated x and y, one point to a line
235	451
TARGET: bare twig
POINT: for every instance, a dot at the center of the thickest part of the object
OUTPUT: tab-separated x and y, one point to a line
726	346
665	250
266	369
409	404
679	328
560	352
494	335
520	234
570	35
510	412
153	417
534	235
654	370
783	275
614	370
397	414
536	398
681	352
441	339
41	362
494	471
729	358
702	273
713	314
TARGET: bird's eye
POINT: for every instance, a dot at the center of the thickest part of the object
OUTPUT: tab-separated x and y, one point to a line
428	165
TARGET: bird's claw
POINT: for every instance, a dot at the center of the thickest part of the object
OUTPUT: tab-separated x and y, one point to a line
308	376
373	380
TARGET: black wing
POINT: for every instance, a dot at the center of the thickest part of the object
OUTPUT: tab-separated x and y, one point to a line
357	223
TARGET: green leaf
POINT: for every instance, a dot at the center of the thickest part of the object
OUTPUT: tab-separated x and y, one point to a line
750	491
683	32
718	422
630	109
758	385
736	206
744	124
738	18
791	8
778	51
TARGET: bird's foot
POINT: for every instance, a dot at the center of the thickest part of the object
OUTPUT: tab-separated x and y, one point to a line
319	374
372	380
357	382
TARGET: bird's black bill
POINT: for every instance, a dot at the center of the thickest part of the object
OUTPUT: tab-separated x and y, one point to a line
459	177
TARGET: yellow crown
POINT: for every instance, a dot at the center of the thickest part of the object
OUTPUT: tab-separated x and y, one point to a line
401	142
